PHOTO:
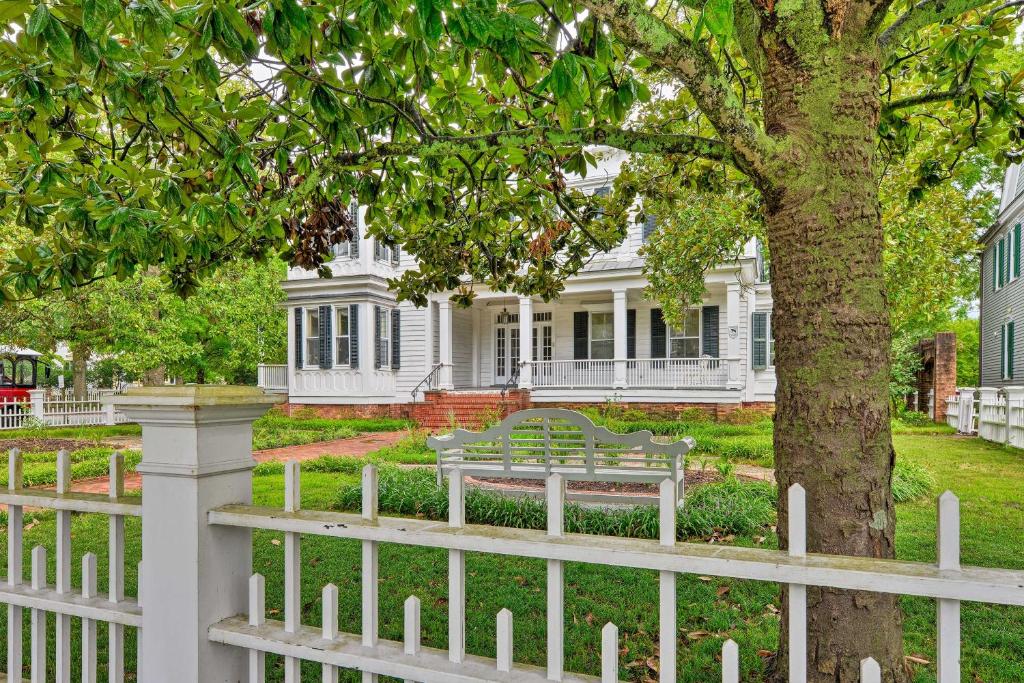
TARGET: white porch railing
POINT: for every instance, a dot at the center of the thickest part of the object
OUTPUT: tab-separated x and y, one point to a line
657	373
672	373
195	568
573	374
272	377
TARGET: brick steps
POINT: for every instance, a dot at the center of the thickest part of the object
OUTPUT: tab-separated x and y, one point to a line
440	410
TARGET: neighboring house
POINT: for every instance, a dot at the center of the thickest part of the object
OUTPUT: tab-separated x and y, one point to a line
1002	288
350	344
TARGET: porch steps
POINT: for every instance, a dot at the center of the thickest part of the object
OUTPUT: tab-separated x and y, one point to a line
440	410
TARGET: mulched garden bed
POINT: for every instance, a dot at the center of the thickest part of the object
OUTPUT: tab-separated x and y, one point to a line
39	445
692	478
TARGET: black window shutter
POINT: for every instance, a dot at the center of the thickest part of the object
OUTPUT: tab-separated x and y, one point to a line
353	251
709	327
353	335
759	340
631	333
658	334
396	339
650	223
299	341
376	337
580	334
396	254
326	337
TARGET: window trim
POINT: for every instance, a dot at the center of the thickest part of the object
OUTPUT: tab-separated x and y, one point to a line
669	336
385	338
1006	352
306	355
336	338
590	334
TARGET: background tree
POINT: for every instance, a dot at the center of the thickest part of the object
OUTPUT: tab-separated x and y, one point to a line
456	124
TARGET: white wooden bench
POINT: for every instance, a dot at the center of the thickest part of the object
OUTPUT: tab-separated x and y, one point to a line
535	443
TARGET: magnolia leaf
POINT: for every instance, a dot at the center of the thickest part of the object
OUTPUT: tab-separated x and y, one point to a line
38	21
718	15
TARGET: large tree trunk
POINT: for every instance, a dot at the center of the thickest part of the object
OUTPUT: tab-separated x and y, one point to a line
831	325
79	366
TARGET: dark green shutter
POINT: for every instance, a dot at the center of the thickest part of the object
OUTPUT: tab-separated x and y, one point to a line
631	333
376	337
396	255
353	335
1002	261
580	335
1016	250
396	339
326	337
1002	351
709	331
759	340
299	341
658	334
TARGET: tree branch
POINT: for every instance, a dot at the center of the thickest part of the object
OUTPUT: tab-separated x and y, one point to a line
639	28
926	13
639	142
955	90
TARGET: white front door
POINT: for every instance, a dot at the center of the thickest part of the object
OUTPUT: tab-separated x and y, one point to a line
506	346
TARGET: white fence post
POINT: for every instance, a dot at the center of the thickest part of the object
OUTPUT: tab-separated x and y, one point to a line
37	399
196	456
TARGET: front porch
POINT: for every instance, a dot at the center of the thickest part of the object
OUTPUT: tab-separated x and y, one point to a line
592	345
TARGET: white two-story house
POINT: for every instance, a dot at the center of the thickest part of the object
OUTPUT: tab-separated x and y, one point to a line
354	349
1002	288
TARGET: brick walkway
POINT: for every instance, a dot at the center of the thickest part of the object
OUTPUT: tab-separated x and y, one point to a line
354	447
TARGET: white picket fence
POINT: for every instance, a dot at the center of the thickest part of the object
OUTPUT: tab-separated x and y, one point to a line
17	414
993	414
197	562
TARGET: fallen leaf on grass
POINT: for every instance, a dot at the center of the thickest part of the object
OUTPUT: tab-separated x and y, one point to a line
722	590
697	635
917	659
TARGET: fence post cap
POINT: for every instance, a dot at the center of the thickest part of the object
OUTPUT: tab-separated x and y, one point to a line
198	395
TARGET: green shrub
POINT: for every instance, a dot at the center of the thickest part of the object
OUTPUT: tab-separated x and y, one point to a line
728	507
745	416
911	481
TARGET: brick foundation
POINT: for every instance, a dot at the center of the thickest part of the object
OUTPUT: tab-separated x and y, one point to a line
439	410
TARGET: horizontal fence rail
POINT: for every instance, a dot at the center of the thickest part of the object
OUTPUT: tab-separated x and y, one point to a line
946	582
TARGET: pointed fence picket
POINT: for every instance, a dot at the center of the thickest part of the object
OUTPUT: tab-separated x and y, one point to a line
947	581
409	660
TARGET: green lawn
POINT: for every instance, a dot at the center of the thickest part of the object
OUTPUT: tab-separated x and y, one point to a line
989	480
275	430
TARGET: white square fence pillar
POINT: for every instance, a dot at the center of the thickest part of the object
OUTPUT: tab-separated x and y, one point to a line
196	456
37	400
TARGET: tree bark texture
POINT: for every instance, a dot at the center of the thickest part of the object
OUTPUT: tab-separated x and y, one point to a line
79	364
831	326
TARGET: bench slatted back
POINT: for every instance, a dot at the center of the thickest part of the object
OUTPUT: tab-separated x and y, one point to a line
559	439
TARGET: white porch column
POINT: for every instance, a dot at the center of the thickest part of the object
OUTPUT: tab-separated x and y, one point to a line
445	321
196	456
525	342
619	315
732	349
748	371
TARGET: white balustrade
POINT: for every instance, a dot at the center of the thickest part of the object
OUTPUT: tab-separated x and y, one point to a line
649	373
272	377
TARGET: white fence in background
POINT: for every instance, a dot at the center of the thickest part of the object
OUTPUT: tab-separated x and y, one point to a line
60	412
197	523
993	414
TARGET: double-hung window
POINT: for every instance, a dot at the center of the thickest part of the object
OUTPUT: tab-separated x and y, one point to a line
384	321
684	341
602	336
312	334
341	336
